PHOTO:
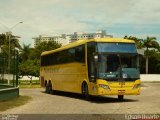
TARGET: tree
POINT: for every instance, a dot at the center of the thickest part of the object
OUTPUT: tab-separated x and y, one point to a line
154	62
4	43
2	39
5	47
46	46
138	42
14	42
30	58
25	52
30	68
32	54
149	42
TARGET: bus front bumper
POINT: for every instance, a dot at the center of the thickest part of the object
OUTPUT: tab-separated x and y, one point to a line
116	88
118	91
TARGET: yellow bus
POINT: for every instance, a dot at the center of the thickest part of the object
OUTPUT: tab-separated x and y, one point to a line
102	66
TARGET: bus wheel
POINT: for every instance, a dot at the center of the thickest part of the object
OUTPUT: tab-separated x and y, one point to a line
85	91
50	88
47	88
120	97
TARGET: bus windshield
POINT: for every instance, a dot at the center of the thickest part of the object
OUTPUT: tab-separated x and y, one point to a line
117	61
118	66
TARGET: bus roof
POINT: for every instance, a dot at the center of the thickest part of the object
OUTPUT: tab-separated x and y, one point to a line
80	42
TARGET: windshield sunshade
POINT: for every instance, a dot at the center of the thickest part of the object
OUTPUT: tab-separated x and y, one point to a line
117	47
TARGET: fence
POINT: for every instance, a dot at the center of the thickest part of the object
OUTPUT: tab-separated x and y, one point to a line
9	71
9	75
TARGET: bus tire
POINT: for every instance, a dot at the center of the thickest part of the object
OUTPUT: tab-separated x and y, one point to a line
120	97
47	88
50	91
85	91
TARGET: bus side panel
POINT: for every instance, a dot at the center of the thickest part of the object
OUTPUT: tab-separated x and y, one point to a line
68	77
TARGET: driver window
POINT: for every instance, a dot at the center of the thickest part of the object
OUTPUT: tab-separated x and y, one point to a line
90	50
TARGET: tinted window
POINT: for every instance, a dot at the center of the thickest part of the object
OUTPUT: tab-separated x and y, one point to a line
117	47
76	54
80	54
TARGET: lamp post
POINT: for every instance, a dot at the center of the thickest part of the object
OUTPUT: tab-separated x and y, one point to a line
15	74
9	34
9	38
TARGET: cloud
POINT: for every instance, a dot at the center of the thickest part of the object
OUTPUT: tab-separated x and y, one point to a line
144	12
67	16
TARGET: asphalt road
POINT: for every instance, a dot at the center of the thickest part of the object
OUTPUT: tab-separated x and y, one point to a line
66	103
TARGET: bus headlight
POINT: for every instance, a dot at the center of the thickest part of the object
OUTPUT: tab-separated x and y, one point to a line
104	86
136	86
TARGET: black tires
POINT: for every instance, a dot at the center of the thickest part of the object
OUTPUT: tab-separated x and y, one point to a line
85	92
49	88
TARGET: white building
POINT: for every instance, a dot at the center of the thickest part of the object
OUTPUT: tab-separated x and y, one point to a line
86	36
65	39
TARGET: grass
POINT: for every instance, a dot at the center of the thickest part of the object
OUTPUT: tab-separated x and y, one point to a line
8	104
26	84
29	86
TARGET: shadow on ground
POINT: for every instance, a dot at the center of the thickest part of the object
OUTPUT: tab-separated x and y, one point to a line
93	99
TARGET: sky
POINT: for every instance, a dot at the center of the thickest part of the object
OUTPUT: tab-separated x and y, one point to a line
140	18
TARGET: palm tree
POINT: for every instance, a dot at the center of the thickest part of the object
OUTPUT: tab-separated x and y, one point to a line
15	43
4	42
149	42
2	39
25	51
138	41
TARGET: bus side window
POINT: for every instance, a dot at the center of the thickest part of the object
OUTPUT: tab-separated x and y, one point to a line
80	54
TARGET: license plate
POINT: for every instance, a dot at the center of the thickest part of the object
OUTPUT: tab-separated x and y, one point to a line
121	92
